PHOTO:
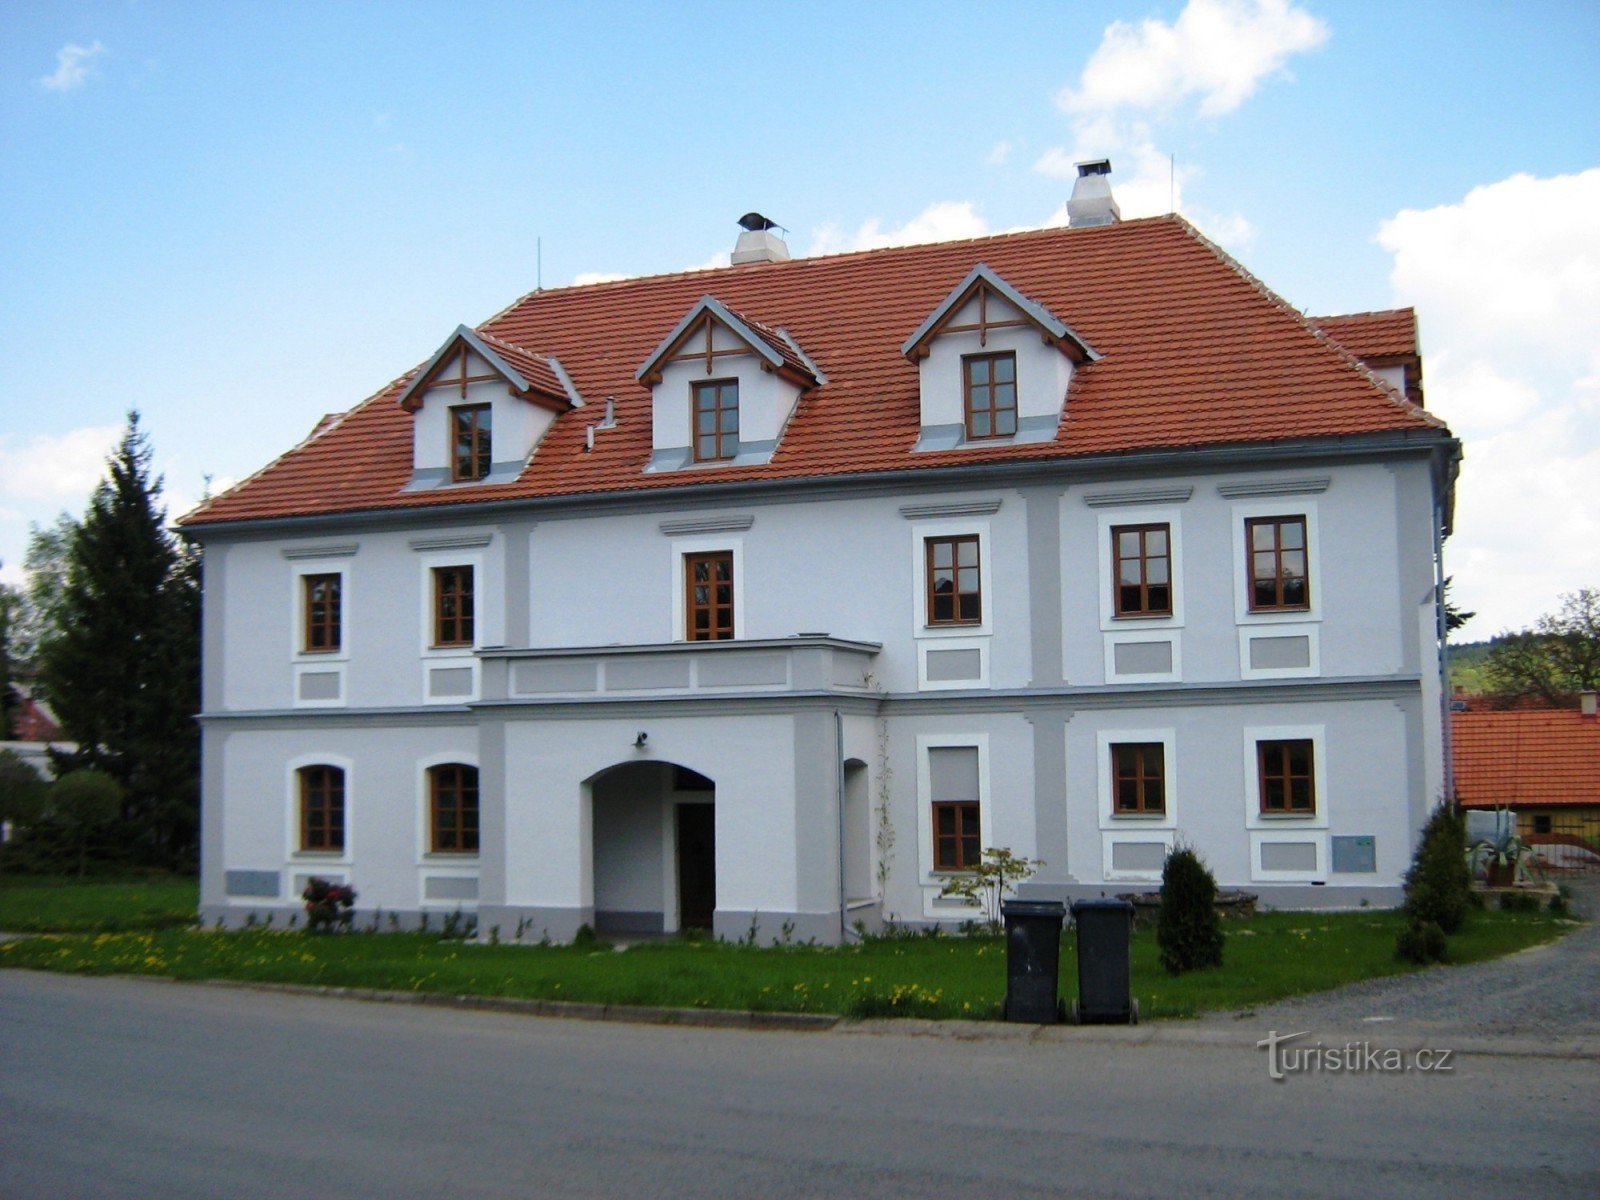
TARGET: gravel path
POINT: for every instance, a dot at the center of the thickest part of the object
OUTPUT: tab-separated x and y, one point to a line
1547	993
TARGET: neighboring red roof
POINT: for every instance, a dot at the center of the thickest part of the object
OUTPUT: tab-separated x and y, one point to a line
1524	757
1194	351
1373	335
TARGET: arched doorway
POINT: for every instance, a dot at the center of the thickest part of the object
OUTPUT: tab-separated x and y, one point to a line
654	839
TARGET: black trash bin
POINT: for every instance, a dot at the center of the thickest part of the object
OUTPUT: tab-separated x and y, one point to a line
1105	937
1033	960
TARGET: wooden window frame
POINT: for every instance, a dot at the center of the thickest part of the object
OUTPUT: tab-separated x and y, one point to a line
1278	577
453	790
970	399
721	436
957	851
322	618
956	595
1144	609
458	628
1131	762
479	458
321	788
721	623
1274	773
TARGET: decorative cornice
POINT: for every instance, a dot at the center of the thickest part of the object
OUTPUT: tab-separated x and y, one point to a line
1145	495
452	541
1308	486
956	508
337	550
687	525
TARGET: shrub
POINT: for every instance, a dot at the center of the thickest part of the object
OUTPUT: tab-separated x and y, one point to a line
1421	942
1439	884
1188	929
1522	902
329	906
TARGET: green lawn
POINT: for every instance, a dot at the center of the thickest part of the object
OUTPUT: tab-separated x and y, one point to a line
1268	957
67	904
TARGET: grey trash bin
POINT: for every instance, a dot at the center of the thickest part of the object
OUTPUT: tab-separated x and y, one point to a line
1033	960
1105	937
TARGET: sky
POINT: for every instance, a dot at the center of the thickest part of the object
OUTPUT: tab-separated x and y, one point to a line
235	217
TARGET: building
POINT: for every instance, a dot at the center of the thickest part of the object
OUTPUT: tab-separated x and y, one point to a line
769	596
1542	763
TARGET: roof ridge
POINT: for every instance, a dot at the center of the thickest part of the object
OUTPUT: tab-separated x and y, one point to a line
834	256
1366	314
1385	389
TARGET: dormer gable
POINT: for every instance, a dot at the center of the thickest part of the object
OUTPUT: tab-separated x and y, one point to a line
480	406
993	366
722	388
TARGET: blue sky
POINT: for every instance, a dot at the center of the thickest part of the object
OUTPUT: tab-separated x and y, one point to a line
238	216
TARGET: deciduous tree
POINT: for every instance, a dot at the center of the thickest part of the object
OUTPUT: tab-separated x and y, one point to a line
1560	655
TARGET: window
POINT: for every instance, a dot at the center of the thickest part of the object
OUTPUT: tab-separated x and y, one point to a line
452	606
453	805
955	588
708	596
1542	823
1277	550
322	615
953	784
1142	558
716	420
989	389
1138	779
321	809
472	447
1286	779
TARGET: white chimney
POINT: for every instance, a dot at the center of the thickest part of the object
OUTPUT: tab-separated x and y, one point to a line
1586	703
758	243
1092	202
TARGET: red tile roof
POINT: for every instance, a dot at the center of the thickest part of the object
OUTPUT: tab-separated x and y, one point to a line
1195	351
535	368
1525	757
1373	335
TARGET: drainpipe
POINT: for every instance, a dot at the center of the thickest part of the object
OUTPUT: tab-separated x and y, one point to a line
1442	633
838	808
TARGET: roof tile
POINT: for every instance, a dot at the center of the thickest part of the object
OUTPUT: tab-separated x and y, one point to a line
1194	351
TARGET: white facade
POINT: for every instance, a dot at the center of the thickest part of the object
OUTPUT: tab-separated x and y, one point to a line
817	718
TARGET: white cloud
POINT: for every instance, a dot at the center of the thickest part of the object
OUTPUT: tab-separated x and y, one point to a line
72	67
1506	284
944	221
1217	51
47	469
1001	152
585	277
1208	62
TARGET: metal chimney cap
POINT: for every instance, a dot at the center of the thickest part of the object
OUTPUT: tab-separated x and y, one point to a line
1094	166
755	222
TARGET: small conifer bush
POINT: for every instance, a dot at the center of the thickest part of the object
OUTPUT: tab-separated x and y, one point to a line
1421	942
1439	883
1188	929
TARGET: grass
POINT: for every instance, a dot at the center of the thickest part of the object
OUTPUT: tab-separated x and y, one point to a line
1268	957
68	904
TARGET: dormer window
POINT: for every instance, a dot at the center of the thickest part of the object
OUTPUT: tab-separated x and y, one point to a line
993	365
722	388
470	426
480	406
989	388
716	420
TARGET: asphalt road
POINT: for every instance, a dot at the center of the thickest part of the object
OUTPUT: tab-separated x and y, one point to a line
136	1088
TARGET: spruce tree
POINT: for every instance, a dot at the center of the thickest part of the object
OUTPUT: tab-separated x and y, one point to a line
120	665
1188	929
